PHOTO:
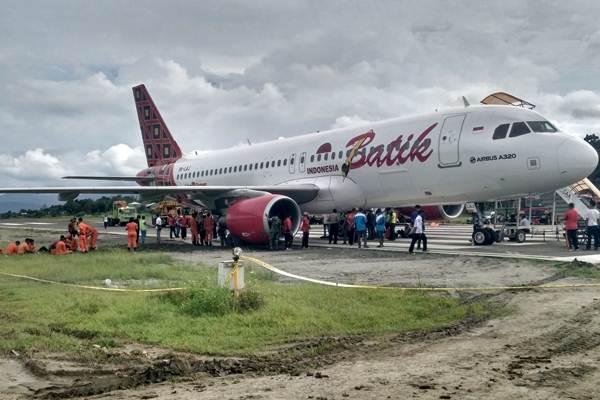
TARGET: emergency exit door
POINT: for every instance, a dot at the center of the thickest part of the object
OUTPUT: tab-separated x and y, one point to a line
449	141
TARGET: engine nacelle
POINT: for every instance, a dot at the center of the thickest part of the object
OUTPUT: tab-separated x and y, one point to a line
248	219
441	212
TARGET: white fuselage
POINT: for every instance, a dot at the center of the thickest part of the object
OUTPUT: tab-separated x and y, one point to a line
439	158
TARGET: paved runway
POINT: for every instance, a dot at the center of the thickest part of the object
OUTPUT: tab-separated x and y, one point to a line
445	239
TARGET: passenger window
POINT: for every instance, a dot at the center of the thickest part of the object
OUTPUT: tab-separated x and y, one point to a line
500	132
326	156
319	157
262	164
284	162
518	129
235	169
279	163
340	154
333	156
230	168
312	158
246	167
256	166
272	163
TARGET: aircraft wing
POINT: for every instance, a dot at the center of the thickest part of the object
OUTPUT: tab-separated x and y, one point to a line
112	178
300	193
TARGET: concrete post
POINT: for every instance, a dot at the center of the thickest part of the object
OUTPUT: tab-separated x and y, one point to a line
230	277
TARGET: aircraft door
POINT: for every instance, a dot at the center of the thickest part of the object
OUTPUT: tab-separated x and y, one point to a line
302	164
449	139
292	163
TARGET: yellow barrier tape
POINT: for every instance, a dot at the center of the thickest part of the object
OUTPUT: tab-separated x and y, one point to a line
421	289
31	278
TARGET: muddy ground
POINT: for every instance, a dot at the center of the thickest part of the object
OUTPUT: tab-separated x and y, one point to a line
547	346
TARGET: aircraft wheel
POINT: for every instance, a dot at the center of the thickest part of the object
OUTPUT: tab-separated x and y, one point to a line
491	236
480	237
499	237
520	237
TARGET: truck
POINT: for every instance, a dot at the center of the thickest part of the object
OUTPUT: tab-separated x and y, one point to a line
121	212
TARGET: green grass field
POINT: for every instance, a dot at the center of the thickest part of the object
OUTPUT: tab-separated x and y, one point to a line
45	317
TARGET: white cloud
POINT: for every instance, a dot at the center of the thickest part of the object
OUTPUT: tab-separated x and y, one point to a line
224	72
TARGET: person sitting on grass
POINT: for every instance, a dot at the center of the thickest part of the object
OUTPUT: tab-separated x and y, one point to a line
13	248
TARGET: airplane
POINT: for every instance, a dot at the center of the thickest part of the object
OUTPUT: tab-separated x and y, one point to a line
447	157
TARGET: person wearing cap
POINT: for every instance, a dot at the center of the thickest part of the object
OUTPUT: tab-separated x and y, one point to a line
305	227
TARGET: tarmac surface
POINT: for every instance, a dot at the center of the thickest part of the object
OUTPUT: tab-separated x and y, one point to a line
450	239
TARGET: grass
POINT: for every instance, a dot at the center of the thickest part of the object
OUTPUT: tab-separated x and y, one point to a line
579	269
43	317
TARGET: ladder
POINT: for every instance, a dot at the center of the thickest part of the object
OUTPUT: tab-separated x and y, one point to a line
570	194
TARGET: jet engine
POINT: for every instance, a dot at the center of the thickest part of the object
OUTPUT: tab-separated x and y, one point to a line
248	219
439	212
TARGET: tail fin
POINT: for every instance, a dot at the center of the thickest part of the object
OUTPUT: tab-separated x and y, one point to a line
159	145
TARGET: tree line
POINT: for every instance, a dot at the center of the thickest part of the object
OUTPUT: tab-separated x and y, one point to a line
74	208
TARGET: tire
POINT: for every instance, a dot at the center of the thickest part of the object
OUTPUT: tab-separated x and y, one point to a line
520	237
480	237
491	236
499	237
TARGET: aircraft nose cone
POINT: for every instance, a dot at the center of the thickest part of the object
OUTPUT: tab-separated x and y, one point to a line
577	159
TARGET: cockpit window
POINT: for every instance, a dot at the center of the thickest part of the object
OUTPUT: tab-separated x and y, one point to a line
500	132
518	129
541	126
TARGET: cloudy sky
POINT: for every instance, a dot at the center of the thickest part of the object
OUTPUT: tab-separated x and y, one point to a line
225	71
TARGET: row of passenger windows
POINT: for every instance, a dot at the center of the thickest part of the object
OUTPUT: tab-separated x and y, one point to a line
522	128
262	165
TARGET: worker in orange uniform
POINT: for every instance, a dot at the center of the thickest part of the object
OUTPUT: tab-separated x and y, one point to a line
30	246
84	232
23	248
12	248
191	222
209	226
131	229
59	247
93	238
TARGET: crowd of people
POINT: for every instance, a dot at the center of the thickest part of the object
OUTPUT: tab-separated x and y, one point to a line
355	226
203	227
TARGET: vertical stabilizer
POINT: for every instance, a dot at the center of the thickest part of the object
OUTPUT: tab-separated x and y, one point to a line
159	145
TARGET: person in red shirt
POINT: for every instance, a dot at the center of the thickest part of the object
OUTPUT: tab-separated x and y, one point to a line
182	226
350	229
191	222
571	218
305	227
287	232
131	229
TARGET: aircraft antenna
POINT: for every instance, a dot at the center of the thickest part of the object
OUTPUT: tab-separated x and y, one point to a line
249	142
466	102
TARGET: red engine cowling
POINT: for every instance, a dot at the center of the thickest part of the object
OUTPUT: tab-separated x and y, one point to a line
441	212
248	219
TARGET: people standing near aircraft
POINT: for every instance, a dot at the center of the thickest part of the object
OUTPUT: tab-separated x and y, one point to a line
393	222
343	227
177	226
274	232
137	222
222	230
571	217
350	229
182	226
201	230
380	226
325	226
171	223
93	238
360	227
305	228
72	227
418	233
370	225
593	231
105	220
143	229
209	226
414	216
158	225
334	226
525	224
287	232
191	222
13	248
84	232
131	229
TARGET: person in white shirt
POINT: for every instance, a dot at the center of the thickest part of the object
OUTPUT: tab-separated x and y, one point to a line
525	224
158	224
419	233
593	230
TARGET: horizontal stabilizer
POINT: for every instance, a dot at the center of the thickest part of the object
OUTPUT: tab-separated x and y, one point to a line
112	178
